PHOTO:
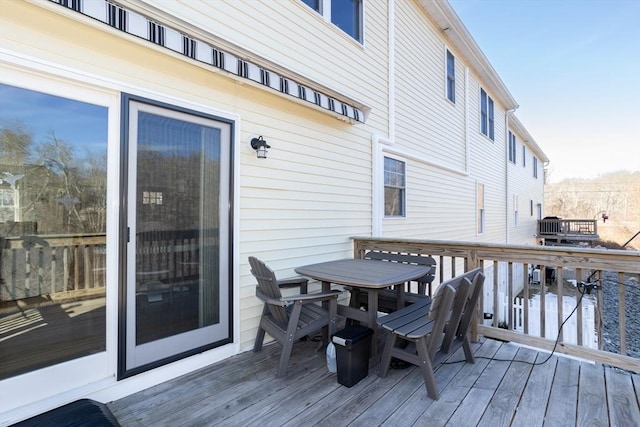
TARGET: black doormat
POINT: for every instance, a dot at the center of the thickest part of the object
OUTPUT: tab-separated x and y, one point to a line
81	413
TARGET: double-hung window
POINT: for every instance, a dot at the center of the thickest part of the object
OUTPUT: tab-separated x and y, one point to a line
486	115
524	155
480	208
535	167
451	77
394	187
345	14
512	147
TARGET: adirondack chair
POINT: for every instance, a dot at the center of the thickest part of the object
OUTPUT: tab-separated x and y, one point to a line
388	300
426	332
288	319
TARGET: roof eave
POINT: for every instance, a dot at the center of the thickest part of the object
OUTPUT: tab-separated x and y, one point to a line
527	138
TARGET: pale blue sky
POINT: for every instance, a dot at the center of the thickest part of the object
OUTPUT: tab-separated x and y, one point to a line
573	66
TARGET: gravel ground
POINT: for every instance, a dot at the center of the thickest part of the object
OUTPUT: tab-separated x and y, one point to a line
611	334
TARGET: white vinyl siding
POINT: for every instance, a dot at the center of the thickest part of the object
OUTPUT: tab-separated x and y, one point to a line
295	37
521	182
426	122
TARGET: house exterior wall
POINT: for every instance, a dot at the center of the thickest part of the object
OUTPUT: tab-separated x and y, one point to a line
318	186
448	153
528	189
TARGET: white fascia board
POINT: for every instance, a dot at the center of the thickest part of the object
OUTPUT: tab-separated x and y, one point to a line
515	123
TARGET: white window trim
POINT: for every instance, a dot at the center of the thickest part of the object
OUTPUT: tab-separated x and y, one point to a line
325	13
513	147
446	75
96	368
383	204
489	119
481	213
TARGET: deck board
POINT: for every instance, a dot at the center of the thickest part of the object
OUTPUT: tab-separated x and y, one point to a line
505	391
563	401
505	400
533	404
592	402
622	398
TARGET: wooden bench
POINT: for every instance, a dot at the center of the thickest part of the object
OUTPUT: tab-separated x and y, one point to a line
391	300
424	333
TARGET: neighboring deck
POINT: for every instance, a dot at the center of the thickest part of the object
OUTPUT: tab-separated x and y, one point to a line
559	231
243	391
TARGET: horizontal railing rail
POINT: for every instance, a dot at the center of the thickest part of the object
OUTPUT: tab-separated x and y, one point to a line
603	281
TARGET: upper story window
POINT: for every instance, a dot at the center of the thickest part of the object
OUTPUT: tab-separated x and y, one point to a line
524	155
345	14
451	77
512	147
394	187
486	115
535	167
515	210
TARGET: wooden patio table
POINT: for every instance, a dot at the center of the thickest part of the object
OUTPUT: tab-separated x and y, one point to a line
373	275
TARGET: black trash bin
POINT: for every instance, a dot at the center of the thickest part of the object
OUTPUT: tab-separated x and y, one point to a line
353	348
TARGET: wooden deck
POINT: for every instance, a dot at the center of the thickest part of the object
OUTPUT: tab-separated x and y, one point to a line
243	391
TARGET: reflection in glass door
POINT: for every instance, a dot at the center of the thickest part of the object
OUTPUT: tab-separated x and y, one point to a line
177	294
53	184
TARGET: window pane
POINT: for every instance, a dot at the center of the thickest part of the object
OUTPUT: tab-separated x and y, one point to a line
451	79
346	15
490	118
480	208
483	111
313	4
394	187
53	167
178	165
393	202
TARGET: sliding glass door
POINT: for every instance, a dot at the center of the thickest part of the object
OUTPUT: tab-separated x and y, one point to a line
178	227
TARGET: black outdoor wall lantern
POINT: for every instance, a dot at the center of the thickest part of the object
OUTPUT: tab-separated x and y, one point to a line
261	147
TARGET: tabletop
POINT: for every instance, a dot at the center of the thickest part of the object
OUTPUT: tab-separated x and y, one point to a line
363	273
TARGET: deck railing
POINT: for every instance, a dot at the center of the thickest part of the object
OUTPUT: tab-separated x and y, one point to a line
38	266
605	280
568	228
